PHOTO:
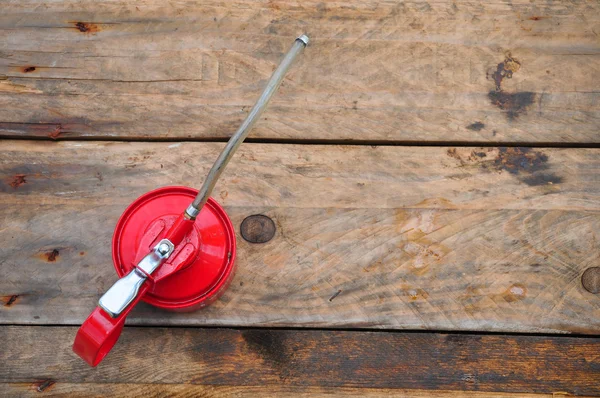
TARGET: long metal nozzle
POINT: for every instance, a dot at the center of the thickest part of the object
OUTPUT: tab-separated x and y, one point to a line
242	132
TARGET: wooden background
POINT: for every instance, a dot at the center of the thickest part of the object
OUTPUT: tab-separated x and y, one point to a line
429	166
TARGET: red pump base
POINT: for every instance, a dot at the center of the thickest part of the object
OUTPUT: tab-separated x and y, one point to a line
196	274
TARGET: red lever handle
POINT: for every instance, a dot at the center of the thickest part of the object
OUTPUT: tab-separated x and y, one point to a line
99	332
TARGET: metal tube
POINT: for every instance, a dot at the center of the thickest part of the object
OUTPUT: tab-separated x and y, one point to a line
241	133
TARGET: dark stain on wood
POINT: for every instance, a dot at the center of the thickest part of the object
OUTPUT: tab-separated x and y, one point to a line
10	300
27	69
454	154
505	69
457	340
528	164
257	228
517	160
18	180
52	256
536	18
270	346
514	104
44	385
477	126
477	155
539	179
591	280
273	348
86	27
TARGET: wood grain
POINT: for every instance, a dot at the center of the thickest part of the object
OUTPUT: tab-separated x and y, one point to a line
375	71
474	239
293	360
131	390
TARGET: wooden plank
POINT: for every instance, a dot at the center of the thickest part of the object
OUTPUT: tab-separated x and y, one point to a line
130	390
477	239
375	71
304	359
187	390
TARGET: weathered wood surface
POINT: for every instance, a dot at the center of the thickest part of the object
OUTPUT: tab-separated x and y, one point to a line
302	359
492	239
375	71
130	390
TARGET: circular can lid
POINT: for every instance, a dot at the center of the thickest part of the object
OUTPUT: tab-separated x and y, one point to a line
206	255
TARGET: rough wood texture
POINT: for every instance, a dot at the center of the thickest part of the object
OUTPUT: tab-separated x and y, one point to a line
131	390
476	239
304	359
375	71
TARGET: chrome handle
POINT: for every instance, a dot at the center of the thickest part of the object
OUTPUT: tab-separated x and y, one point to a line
125	290
122	293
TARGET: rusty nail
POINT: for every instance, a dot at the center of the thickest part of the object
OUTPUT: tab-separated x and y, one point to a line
335	295
257	228
45	384
591	280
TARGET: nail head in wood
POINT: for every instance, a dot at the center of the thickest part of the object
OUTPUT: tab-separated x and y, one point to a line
591	280
257	228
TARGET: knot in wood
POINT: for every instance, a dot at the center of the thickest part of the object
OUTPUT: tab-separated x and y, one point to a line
591	280
257	228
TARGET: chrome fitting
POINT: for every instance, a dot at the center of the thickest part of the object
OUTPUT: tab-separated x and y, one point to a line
303	39
191	212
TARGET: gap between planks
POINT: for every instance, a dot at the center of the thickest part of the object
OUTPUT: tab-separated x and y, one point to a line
275	141
322	329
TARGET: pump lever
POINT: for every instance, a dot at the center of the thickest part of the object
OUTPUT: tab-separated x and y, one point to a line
125	290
